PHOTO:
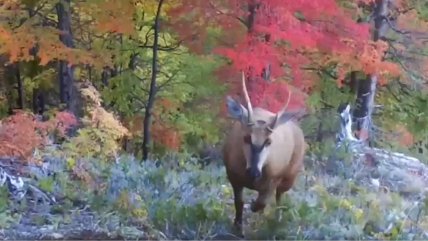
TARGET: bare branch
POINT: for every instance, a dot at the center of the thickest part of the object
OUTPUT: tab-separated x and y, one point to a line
227	14
393	27
168	81
163	48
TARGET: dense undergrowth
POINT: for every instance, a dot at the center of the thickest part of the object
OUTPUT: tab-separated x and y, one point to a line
78	186
178	198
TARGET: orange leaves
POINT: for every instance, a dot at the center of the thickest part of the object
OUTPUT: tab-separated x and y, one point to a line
21	133
163	131
167	135
405	137
366	57
18	43
411	22
372	62
18	136
115	16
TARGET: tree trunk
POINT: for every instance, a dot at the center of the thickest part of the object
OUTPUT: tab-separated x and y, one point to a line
68	91
367	88
105	76
38	101
21	98
13	81
8	78
153	88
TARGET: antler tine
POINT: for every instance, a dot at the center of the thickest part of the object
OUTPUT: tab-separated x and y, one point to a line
288	102
279	113
247	98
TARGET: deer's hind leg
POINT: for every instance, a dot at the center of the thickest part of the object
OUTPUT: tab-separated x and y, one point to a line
285	185
288	181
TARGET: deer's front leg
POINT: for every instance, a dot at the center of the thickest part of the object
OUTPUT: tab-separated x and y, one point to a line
263	198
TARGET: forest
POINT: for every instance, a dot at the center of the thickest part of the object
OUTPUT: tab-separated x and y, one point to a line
114	116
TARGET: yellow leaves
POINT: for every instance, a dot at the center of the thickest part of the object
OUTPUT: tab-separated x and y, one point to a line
344	203
98	117
102	132
150	6
131	203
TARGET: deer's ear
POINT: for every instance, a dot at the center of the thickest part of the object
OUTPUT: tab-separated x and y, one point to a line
236	110
282	118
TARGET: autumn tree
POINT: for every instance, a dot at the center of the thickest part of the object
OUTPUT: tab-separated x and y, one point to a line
273	39
153	82
36	40
32	37
404	112
67	89
181	81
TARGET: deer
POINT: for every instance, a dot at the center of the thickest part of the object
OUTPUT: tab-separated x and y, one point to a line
263	151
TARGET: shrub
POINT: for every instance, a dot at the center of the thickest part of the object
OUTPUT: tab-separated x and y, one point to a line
101	132
22	132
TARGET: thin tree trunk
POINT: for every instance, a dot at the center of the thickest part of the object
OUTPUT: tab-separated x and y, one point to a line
13	76
153	87
89	69
68	92
8	84
38	101
367	89
105	76
21	98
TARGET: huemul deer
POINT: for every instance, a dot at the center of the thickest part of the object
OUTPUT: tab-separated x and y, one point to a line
263	151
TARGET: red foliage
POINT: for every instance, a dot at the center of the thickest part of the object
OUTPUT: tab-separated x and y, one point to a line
166	135
163	133
325	34
21	132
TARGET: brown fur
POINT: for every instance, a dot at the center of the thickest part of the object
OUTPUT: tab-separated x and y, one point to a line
284	162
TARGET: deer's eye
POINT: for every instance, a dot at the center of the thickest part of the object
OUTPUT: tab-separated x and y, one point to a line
247	139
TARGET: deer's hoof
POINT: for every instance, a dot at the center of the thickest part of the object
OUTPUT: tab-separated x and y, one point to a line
238	227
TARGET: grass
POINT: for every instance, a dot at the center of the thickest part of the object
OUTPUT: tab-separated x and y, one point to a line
178	199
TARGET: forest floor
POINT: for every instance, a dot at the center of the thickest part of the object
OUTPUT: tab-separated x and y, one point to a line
357	199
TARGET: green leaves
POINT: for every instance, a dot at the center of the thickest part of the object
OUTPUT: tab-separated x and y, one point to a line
47	184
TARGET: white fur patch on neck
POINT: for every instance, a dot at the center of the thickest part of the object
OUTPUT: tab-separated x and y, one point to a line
263	157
